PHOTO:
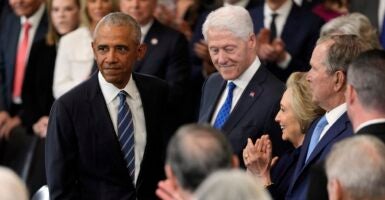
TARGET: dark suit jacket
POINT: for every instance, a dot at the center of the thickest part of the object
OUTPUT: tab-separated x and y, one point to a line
254	113
37	86
83	156
341	129
9	36
318	180
368	8
377	130
299	34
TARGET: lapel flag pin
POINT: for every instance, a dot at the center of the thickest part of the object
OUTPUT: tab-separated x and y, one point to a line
252	94
154	41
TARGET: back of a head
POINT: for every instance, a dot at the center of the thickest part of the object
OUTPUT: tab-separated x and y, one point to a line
358	164
230	185
195	151
367	74
11	186
235	19
352	24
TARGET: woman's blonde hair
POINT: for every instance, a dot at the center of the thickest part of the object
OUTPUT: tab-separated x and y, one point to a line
301	100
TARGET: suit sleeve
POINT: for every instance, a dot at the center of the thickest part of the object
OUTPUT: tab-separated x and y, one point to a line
61	154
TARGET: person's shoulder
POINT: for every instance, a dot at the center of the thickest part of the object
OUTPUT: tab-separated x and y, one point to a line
148	80
80	32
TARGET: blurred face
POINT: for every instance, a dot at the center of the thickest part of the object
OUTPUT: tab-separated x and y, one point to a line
320	80
141	10
25	7
97	9
115	53
291	128
231	55
65	15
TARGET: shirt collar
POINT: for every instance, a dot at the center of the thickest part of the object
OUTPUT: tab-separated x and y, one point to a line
110	92
370	122
145	28
243	80
282	11
242	3
333	115
35	18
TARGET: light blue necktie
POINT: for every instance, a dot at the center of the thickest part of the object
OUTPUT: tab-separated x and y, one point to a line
382	34
126	133
224	112
316	135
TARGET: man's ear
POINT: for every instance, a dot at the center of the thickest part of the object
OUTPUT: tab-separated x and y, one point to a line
350	94
335	190
142	48
339	80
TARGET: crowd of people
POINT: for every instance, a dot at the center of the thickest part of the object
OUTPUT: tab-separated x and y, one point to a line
186	99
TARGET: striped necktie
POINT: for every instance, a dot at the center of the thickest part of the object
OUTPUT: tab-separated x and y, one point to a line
126	133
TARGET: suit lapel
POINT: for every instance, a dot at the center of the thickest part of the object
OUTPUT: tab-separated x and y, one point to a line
216	94
151	40
247	99
290	28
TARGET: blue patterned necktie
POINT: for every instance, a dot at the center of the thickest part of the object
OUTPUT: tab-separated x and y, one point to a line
126	133
382	35
316	135
224	112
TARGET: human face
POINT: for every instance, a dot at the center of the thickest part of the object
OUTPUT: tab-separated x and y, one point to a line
116	52
320	80
230	55
25	7
141	10
291	128
65	15
97	9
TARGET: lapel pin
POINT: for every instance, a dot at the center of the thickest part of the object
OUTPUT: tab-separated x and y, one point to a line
252	94
154	41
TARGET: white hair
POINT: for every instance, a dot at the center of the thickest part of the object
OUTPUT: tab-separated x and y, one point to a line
358	163
235	19
231	184
11	186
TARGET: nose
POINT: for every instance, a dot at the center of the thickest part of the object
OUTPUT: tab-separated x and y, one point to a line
277	117
222	58
135	3
111	57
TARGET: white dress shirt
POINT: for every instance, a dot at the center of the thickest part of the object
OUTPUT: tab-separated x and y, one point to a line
381	14
110	93
332	116
370	122
74	61
144	29
241	82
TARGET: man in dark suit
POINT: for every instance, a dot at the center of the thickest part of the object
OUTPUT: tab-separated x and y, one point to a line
365	97
242	99
286	36
327	79
166	56
11	36
104	138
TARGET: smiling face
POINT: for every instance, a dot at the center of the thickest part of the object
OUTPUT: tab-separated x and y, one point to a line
230	55
290	125
65	15
116	52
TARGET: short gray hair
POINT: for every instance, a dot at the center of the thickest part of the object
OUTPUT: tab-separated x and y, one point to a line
358	163
352	24
235	19
231	184
367	76
11	186
195	151
120	19
342	50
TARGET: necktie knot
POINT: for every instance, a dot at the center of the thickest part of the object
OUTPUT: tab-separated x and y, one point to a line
231	86
122	97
